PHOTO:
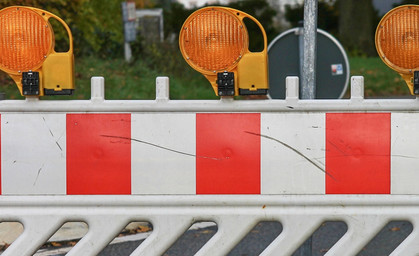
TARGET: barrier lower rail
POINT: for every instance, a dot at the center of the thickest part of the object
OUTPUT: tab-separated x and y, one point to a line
300	216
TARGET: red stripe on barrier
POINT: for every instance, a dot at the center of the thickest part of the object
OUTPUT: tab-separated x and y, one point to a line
228	154
358	153
98	162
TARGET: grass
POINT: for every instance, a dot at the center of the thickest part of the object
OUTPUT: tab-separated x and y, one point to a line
124	81
137	80
379	80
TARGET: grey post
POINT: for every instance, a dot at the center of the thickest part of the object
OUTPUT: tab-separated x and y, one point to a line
309	73
130	32
310	50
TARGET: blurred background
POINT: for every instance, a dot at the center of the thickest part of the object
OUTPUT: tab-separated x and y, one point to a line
97	28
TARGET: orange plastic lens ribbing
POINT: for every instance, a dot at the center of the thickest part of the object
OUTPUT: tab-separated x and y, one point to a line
398	38
213	40
25	39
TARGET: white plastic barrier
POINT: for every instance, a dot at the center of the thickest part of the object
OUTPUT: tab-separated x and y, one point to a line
172	163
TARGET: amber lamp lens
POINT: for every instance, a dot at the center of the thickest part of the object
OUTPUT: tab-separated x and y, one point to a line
213	40
25	39
397	38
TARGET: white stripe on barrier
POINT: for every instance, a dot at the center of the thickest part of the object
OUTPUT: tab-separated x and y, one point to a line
293	153
405	160
33	154
163	153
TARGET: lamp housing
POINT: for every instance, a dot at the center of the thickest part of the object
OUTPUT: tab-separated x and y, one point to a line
397	43
215	42
27	52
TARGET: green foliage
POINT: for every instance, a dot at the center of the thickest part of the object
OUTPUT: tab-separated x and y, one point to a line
353	22
264	13
174	18
358	21
96	25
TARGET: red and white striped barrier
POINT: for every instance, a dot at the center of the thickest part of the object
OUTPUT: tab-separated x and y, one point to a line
282	160
209	153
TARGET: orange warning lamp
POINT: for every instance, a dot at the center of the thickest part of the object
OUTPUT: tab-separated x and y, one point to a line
214	41
397	43
27	52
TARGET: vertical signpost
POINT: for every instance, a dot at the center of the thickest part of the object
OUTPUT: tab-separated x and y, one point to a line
309	73
310	48
130	32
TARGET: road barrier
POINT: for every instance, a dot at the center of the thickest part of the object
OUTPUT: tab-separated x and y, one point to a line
233	162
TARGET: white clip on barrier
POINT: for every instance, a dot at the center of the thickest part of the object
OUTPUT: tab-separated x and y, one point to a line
97	89
357	88
162	88
292	88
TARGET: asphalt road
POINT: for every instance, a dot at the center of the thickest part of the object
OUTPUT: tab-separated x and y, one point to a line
264	233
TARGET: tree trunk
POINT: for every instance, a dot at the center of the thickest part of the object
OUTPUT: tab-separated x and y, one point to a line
356	26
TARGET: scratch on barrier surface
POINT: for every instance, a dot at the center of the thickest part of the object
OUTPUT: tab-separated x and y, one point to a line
345	154
293	149
37	176
45	121
161	147
52	134
335	146
58	144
